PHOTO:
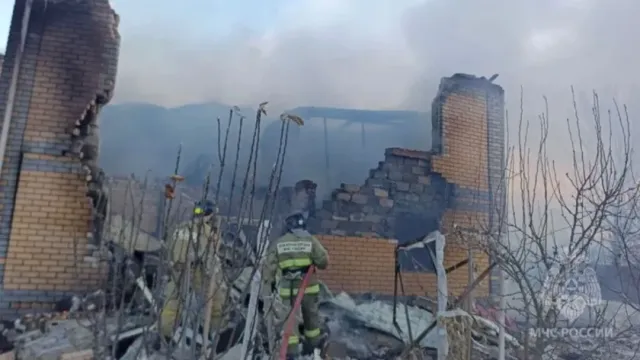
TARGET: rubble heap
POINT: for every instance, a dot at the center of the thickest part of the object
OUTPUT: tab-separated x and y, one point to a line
401	192
359	328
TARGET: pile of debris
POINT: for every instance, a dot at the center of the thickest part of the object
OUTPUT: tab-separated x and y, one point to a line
365	327
359	329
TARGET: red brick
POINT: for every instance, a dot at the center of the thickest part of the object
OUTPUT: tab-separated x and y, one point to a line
44	245
464	128
360	265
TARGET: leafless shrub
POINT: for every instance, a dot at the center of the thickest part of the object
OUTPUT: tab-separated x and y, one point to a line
561	197
139	270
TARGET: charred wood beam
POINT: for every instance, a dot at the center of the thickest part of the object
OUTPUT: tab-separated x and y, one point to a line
412	242
457	266
398	279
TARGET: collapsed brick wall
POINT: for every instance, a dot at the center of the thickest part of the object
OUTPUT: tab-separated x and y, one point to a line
69	63
411	193
367	265
400	193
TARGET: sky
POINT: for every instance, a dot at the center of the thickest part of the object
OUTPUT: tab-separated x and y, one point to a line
376	54
383	54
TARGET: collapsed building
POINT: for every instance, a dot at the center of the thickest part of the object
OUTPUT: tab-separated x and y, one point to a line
408	195
59	70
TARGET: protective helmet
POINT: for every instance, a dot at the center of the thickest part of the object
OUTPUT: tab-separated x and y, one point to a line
296	221
204	208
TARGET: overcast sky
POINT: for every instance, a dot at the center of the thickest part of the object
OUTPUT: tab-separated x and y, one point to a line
380	54
377	54
369	53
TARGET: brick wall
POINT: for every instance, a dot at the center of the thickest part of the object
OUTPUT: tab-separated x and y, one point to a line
47	250
411	193
401	199
469	150
464	131
366	265
70	55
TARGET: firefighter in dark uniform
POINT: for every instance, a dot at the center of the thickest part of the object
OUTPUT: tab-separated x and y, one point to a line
292	255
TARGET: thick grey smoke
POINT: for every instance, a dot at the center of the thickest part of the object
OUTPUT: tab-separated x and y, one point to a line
338	53
380	54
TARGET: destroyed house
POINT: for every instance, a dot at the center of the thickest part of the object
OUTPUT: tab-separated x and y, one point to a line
459	182
52	151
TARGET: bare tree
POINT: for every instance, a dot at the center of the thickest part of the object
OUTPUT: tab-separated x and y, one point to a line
561	197
142	264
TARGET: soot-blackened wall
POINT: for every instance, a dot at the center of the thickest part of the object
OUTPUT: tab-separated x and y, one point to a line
68	66
411	193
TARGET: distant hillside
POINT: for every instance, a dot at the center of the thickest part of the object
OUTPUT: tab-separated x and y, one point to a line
140	137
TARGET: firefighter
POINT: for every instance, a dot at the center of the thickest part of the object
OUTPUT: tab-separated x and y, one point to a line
188	245
293	254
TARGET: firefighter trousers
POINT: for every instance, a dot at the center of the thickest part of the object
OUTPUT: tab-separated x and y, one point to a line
175	302
310	318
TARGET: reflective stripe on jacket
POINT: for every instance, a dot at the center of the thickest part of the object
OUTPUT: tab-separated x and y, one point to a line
295	252
285	292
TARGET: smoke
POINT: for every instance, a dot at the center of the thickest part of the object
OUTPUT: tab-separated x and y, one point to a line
375	53
379	54
337	53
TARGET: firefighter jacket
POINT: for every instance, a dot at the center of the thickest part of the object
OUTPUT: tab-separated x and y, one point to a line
188	245
292	255
189	242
